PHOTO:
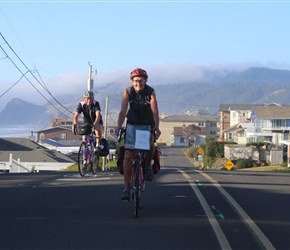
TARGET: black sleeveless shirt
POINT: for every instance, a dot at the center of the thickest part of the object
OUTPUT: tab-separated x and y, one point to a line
89	113
139	106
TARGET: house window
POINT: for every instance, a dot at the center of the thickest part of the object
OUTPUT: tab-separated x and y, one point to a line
111	131
212	132
230	136
62	135
213	124
181	139
201	124
279	123
41	136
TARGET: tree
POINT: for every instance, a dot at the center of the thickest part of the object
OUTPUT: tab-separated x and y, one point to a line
257	145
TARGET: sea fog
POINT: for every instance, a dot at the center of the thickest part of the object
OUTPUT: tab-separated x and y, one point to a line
19	131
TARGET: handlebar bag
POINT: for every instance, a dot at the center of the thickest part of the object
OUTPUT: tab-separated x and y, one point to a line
84	129
138	137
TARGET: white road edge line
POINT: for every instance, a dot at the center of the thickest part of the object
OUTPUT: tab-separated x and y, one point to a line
251	224
212	220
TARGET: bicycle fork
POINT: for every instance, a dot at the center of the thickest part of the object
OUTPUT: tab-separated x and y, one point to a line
139	178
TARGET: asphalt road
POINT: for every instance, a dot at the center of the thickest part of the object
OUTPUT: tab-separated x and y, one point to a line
183	208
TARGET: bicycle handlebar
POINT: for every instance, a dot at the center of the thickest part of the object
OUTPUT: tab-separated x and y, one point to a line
122	131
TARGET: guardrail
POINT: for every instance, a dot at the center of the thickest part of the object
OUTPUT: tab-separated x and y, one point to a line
14	166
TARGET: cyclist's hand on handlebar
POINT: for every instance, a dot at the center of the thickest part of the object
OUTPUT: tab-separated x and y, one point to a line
157	133
119	132
74	129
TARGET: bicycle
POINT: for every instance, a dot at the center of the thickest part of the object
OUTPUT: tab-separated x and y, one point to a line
87	156
138	181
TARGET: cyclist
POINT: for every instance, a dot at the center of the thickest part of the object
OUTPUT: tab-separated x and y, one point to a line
91	111
143	110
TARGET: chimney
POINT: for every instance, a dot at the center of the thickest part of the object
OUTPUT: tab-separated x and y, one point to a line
31	137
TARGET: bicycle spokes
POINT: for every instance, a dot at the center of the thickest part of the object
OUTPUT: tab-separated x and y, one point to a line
95	162
82	159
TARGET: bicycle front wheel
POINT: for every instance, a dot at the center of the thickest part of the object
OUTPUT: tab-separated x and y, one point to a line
136	188
95	162
83	159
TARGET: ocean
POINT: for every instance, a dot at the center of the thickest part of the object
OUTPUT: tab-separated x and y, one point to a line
19	131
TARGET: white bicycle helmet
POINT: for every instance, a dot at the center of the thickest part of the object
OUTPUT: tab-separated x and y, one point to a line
88	94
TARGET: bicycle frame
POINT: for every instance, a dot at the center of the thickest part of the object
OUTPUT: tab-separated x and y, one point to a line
87	156
137	183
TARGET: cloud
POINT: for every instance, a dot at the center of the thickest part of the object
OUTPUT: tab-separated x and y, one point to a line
75	83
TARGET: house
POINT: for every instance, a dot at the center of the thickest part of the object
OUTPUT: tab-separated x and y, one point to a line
60	132
63	140
56	122
266	123
272	123
24	155
208	126
232	114
186	136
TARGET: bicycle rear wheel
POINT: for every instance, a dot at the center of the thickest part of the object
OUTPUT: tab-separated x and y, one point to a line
83	159
136	188
95	162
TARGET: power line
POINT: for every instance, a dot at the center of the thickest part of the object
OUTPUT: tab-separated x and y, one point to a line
45	88
14	84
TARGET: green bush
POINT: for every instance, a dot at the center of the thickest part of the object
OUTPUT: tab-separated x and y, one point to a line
244	163
192	152
284	164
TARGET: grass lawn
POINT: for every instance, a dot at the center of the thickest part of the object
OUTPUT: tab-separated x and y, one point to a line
275	168
111	166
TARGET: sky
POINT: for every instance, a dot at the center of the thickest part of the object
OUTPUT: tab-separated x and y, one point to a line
47	46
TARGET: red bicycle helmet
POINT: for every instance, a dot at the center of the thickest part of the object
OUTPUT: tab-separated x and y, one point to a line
138	72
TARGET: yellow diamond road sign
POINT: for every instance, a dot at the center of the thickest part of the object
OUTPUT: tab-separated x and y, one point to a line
200	151
229	165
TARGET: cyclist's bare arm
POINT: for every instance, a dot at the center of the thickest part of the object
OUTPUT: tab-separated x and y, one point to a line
155	111
122	114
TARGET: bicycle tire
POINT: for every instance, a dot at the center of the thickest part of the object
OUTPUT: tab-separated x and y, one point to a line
95	162
136	188
82	156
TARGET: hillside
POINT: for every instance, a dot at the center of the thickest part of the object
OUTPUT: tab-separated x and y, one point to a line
254	85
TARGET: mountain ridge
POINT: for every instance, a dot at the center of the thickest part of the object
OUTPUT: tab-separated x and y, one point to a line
255	85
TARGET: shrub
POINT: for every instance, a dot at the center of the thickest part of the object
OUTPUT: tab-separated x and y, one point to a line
192	152
244	163
284	164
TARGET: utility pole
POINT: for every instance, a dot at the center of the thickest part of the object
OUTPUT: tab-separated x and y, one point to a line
91	88
90	79
106	118
105	163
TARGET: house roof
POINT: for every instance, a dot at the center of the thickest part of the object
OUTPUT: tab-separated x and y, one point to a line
229	107
246	125
232	128
61	143
55	129
272	112
189	118
28	151
183	131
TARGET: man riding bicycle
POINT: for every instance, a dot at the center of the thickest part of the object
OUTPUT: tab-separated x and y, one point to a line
91	111
143	110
